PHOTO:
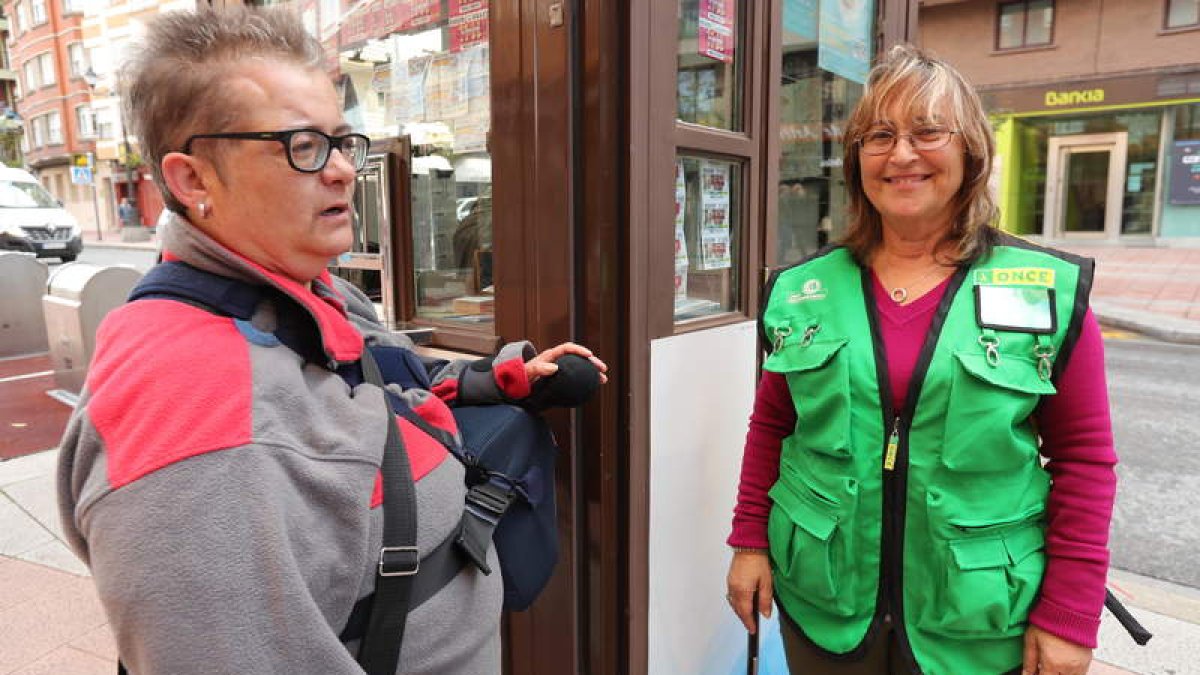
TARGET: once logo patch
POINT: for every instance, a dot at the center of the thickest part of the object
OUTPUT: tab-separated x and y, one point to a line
812	289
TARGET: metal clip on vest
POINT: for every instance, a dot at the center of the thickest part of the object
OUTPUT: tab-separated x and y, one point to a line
809	332
992	344
1044	351
781	333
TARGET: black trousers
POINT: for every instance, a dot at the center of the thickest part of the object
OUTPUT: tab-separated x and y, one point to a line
803	659
883	658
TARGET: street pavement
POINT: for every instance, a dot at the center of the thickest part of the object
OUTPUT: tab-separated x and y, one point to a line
54	623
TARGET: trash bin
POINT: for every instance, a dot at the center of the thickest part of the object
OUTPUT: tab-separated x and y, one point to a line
78	296
22	323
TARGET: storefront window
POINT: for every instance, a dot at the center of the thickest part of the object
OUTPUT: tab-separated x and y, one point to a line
707	232
813	107
711	68
1141	168
420	69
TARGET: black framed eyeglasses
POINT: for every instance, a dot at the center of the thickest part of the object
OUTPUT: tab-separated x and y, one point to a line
308	150
926	139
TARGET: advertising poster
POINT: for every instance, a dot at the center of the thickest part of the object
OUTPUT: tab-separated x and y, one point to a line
1185	173
445	89
417	13
715	32
408	87
800	18
681	254
714	216
845	37
468	23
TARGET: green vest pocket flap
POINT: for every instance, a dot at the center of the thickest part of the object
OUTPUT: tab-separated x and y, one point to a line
977	554
1012	372
797	357
802	512
1023	542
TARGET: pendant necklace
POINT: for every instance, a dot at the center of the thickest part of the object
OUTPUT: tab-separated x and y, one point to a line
900	293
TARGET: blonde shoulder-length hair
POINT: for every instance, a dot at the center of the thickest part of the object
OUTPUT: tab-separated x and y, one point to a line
908	81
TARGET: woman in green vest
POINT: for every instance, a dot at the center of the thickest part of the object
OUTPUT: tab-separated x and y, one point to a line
928	476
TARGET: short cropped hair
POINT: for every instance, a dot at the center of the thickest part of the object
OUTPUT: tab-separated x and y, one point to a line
172	84
922	86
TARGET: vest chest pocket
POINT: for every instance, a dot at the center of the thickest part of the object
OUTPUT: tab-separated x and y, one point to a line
991	581
818	377
988	405
810	544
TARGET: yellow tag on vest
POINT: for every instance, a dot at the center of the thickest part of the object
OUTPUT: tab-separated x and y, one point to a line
1015	276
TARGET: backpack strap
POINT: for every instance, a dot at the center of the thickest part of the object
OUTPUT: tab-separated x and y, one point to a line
399	558
489	494
381	615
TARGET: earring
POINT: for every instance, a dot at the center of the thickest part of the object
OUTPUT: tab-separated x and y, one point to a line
203	208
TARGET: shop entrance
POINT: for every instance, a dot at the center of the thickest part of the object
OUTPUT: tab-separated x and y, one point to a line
1085	186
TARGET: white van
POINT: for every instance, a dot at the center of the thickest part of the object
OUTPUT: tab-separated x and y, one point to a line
33	221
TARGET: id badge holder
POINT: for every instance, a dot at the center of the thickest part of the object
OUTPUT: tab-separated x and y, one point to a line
1022	309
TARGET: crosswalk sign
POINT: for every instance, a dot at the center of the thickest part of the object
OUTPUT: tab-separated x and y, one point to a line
81	175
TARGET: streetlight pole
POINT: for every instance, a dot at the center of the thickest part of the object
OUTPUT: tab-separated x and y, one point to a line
90	78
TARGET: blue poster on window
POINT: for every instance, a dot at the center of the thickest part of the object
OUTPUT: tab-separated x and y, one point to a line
800	18
845	38
1185	173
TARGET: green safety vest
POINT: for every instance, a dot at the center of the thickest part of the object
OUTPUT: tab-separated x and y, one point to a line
933	514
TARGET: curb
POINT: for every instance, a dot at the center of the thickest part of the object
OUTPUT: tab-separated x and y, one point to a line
151	245
1166	328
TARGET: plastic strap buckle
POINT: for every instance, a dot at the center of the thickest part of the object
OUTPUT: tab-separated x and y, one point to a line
399	561
489	501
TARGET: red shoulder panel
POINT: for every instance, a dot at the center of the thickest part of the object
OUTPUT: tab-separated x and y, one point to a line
168	381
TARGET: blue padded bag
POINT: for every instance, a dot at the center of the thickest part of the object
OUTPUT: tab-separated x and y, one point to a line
516	450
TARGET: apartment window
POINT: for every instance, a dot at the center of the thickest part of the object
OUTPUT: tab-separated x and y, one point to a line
85	121
1029	23
54	128
39	131
77	57
23	23
73	6
39	11
105	123
1183	13
46	64
32	81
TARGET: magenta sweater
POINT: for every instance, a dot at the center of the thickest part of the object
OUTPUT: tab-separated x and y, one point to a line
1076	440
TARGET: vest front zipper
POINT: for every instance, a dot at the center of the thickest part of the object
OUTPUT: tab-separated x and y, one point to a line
893	445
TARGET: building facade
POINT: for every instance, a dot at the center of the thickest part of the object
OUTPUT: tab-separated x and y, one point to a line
65	54
1096	107
46	47
11	128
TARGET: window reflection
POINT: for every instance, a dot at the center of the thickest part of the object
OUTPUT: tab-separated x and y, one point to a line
422	70
710	67
813	108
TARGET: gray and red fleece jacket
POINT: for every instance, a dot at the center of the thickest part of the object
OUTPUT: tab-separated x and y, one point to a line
226	494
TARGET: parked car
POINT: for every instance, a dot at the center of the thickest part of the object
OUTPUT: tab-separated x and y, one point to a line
33	221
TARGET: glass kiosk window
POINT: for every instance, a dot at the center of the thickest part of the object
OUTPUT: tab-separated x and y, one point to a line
421	70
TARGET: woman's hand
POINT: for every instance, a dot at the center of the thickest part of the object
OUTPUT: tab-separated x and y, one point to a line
1047	654
543	364
749	572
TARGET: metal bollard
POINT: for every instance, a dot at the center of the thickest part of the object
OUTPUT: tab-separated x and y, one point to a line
78	296
22	323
